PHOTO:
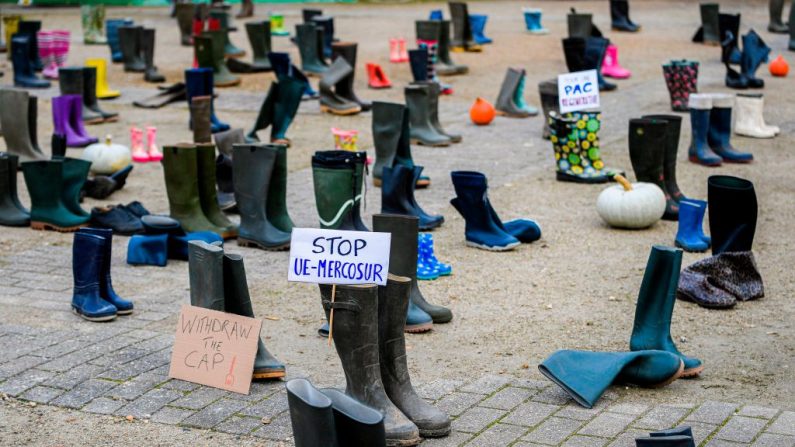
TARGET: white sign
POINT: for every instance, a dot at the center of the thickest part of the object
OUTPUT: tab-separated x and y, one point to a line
339	257
578	91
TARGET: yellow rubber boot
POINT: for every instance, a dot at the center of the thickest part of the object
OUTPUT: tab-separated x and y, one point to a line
103	90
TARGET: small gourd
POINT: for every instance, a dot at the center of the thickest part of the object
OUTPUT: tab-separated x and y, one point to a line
106	157
482	112
631	206
779	67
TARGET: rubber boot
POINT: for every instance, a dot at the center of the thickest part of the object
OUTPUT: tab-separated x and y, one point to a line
595	51
311	415
397	196
532	21
46	44
306	35
338	189
729	26
672	435
418	60
512	87
326	24
67	117
87	259
394	52
90	95
688	235
106	291
666	441
148	51
45	183
93	18
185	13
71	82
210	54
422	130
439	31
611	68
208	195
462	29
19	129
655	307
30	28
277	25
700	111
200	111
376	77
12	213
246	9
403	258
709	32
199	82
390	126
776	7
225	183
647	146
259	37
103	90
619	16
574	52
253	167
586	375
732	213
75	172
720	126
229	49
472	202
478	24
356	423
238	301
3	45
548	92
393	303
581	162
206	275
330	100
355	334
434	90
681	80
755	52
181	172
112	31
276	208
130	43
24	75
733	79
750	121
581	25
344	88
278	110
672	132
152	148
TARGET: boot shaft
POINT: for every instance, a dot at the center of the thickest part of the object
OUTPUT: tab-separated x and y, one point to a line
403	252
390	129
148	47
647	149
508	91
657	295
418	60
252	166
700	107
396	195
732	213
87	259
236	295
206	274
720	120
259	36
574	52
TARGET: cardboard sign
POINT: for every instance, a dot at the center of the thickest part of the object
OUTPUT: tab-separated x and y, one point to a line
215	348
339	257
578	91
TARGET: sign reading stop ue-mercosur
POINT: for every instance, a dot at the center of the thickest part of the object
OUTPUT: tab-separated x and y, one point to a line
339	257
578	91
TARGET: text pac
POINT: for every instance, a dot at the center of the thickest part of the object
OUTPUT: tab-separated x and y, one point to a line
339	257
578	91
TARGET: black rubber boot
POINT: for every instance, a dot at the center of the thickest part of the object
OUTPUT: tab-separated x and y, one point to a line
422	130
390	126
462	29
307	40
439	30
434	90
672	132
729	29
148	54
355	423
71	82
595	49
619	15
311	415
330	100
185	12
344	88
130	43
548	92
709	32
12	213
581	25
19	127
397	196
732	213
259	36
355	334
58	146
90	95
30	28
224	181
206	273
776	7
647	146
393	303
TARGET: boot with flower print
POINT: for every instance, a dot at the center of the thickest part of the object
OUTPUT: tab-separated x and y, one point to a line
681	78
426	270
444	269
575	139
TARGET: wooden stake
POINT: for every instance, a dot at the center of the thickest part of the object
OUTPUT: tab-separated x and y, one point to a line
331	315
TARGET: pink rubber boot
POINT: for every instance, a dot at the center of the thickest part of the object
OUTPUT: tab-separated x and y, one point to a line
47	54
610	66
60	40
404	54
394	52
139	154
151	144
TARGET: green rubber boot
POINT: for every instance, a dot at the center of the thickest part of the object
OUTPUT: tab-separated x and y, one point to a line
334	194
208	195
75	173
210	54
277	192
45	182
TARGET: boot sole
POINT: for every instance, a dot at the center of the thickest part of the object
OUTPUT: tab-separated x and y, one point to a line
438	433
379	87
124	312
486	247
738	162
678	245
694	159
512	115
96	319
253	244
419	328
672	378
227	84
421	184
44	226
693	372
112	119
403	442
94	121
351	111
268	375
229	235
443	144
686	297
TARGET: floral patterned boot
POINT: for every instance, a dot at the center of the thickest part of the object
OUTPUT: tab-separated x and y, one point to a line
575	140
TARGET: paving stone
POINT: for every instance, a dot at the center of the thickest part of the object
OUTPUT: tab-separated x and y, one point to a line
476	419
280	429
755	411
70	379
135	388
83	393
458	402
199	399
529	383
724	443
41	394
181	385
487	384
24	381
771	440
136	367
454	439
507	398
661	417
19	364
260	390
437	389
627	439
741	429
146	405
119	357
575	411
268	408
607	425
497	434
239	425
69	361
584	441
701	431
628	408
553	395
171	415
553	431
214	414
530	414
712	412
784	424
104	405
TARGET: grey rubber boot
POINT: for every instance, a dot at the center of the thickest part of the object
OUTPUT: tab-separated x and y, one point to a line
90	95
506	100
422	131
200	110
253	167
330	100
71	82
19	129
548	91
148	52
130	43
276	208
776	7
185	13
307	40
390	127
206	273
434	90
355	334
12	213
393	303
238	301
228	138
347	51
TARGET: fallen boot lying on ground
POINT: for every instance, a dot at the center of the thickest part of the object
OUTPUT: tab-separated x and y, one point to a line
166	95
471	201
718	282
164	239
586	375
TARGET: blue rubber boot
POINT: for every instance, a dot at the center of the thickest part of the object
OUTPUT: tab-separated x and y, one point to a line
688	237
112	33
436	14
478	24
720	129
585	375
702	210
699	152
283	68
199	82
426	270
472	203
123	307
444	269
655	307
24	74
87	257
532	21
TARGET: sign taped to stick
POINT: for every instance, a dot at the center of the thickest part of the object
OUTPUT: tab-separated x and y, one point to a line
339	257
578	91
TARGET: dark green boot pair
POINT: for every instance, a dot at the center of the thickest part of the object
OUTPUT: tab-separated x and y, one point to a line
218	282
12	213
260	179
439	30
209	48
54	187
338	178
278	110
259	36
189	171
391	136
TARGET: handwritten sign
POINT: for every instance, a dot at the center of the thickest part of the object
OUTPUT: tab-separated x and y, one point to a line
215	348
339	257
578	91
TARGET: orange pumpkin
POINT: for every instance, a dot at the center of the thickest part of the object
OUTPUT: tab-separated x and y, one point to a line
779	67
482	112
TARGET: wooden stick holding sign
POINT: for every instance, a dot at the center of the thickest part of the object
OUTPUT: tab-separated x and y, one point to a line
338	257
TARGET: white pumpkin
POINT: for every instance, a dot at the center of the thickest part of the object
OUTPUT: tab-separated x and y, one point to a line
106	157
637	205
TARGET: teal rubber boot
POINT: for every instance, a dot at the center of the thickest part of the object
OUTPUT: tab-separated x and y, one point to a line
75	173
45	182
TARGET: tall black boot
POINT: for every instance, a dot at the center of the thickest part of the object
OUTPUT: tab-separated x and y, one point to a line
12	213
306	36
595	49
355	334
462	29
344	88
130	43
729	29
732	213
311	415
397	196
619	15
206	273
355	423
647	147
148	54
70	81
672	133
548	92
390	138
259	36
422	130
90	95
331	101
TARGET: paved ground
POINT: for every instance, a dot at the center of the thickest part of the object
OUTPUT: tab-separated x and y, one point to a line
576	288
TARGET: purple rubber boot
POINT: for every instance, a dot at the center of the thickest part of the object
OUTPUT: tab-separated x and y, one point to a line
62	111
76	120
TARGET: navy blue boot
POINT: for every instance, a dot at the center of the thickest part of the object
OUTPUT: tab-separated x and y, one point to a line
397	195
24	75
88	253
112	34
699	152
689	234
720	129
283	68
199	82
123	307
755	51
473	204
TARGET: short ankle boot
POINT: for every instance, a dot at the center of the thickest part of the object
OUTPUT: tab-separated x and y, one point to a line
88	256
471	201
338	178
20	129
619	16
478	24
330	100
548	92
71	82
647	146
720	127
611	68
130	43
344	88
750	121
24	74
422	130
12	213
397	195
510	101
532	21
688	235
733	213
699	151
148	51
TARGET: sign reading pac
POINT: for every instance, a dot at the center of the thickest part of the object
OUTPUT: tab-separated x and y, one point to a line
339	257
578	91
